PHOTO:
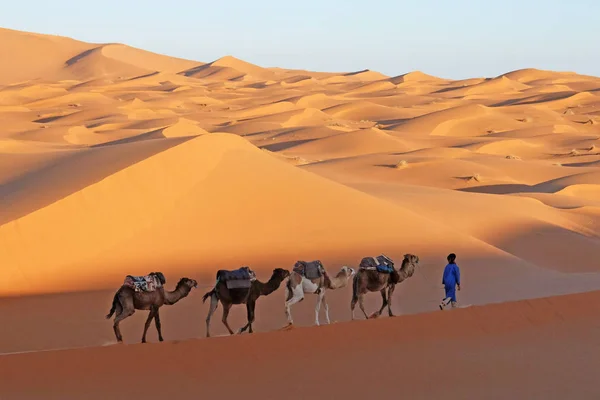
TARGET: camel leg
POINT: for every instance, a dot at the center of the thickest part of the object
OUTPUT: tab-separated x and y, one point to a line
385	300
298	295
250	309
148	321
214	302
326	306
390	292
158	327
226	308
125	312
353	304
361	304
251	315
318	306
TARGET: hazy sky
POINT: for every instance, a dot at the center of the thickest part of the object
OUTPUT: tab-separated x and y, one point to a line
447	38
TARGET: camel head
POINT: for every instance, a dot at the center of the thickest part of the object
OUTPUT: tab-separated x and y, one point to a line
280	274
410	259
187	283
347	271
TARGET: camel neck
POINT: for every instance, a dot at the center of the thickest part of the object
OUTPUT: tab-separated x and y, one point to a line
268	287
406	270
174	296
338	281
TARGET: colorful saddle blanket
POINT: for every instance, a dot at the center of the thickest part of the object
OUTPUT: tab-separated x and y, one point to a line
241	278
310	270
146	283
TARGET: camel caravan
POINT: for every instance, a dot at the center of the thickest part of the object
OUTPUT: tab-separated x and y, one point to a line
241	286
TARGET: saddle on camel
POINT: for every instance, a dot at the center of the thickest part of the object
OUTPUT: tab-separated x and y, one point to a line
145	283
384	264
241	278
311	270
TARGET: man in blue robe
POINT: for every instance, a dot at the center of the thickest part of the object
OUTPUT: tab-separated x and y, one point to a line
450	280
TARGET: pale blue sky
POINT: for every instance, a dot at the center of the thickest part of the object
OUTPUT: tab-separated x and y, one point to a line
451	39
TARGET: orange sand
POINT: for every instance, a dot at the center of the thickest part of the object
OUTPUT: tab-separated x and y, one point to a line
514	350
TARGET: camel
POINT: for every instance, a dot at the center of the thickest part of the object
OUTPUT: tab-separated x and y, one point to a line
127	300
249	296
371	280
298	285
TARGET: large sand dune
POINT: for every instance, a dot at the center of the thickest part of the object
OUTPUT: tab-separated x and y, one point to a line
116	161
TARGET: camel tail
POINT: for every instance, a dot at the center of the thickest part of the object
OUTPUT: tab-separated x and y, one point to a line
207	295
114	306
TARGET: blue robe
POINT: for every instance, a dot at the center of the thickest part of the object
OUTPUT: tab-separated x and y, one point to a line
450	279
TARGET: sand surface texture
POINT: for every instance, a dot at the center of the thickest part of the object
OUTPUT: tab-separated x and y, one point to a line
116	161
542	348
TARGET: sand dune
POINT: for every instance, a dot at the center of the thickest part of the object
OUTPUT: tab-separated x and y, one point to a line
229	68
183	127
366	75
560	100
467	120
319	101
310	116
497	85
116	161
147	60
175	197
34	56
365	111
532	75
415	76
364	141
93	63
515	148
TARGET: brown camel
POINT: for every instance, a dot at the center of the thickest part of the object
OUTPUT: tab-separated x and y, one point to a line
371	280
248	296
299	285
127	300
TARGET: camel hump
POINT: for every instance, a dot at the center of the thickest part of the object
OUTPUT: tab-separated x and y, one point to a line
381	263
368	263
145	283
310	270
384	260
237	278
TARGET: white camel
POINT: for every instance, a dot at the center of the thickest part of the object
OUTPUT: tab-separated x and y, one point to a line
298	285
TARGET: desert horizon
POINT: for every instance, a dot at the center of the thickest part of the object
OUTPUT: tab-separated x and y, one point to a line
119	161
